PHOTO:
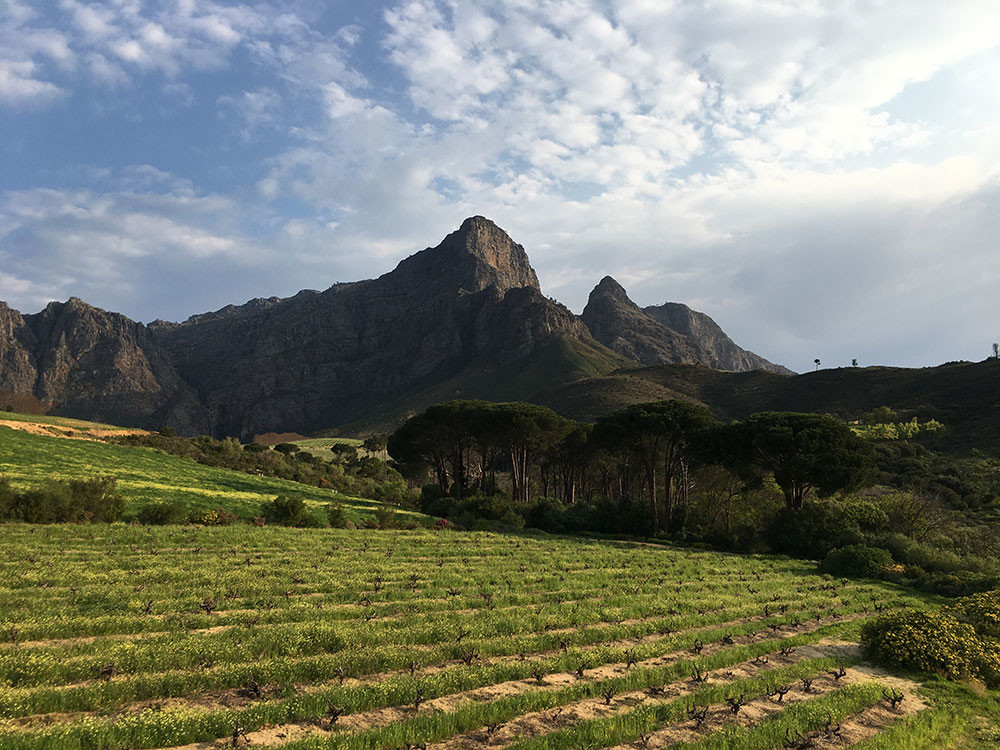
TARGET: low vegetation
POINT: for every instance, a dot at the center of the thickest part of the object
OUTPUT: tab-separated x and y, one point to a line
163	487
118	636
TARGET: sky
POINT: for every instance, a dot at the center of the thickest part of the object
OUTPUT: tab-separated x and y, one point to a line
822	177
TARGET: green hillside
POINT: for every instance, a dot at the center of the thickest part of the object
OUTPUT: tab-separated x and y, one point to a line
965	396
145	475
563	360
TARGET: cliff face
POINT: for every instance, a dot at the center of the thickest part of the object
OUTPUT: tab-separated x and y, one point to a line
93	364
465	317
717	350
300	363
664	334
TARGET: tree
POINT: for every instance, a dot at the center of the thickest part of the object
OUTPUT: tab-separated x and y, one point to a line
817	363
662	435
440	438
375	445
805	453
854	362
996	351
525	431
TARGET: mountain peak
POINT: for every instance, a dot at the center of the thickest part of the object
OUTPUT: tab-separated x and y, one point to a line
477	255
608	287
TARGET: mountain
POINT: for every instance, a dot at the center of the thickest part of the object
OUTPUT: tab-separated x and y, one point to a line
466	318
671	333
93	364
468	312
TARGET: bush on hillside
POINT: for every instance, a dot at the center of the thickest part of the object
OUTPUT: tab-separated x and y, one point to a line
820	526
214	517
160	513
981	611
94	500
6	497
932	642
337	516
857	560
288	511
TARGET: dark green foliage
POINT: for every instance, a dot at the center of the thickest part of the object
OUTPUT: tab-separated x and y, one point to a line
94	500
804	452
336	516
857	560
214	517
932	642
288	511
286	448
7	496
162	512
812	531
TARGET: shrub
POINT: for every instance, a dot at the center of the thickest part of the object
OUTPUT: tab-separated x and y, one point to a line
288	511
813	531
931	642
159	513
214	517
94	500
337	516
385	518
857	560
6	497
981	611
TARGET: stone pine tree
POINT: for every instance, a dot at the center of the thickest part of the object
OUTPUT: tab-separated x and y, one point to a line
805	452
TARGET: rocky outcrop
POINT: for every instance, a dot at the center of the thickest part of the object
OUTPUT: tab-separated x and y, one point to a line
18	369
664	334
89	363
716	349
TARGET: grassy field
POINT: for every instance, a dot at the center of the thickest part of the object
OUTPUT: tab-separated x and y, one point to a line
145	475
136	637
322	446
76	425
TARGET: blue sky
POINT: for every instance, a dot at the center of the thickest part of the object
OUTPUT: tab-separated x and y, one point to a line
820	177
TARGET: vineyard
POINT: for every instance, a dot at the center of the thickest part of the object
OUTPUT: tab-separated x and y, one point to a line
120	636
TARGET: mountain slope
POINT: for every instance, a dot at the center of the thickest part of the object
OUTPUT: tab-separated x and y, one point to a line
664	334
963	395
465	318
93	364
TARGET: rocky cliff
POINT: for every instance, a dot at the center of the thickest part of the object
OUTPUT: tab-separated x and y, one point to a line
465	318
671	333
307	361
93	364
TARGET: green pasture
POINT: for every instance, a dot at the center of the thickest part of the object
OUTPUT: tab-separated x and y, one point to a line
145	475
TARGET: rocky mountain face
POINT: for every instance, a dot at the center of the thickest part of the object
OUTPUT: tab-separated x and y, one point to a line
93	364
671	333
464	318
309	360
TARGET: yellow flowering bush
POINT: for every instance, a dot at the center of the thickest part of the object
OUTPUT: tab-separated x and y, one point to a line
981	611
932	642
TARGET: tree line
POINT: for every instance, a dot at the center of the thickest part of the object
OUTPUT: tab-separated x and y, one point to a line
651	456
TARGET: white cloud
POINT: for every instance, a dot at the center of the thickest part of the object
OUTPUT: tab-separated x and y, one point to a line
18	84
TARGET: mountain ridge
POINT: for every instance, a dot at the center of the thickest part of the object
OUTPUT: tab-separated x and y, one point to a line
463	318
